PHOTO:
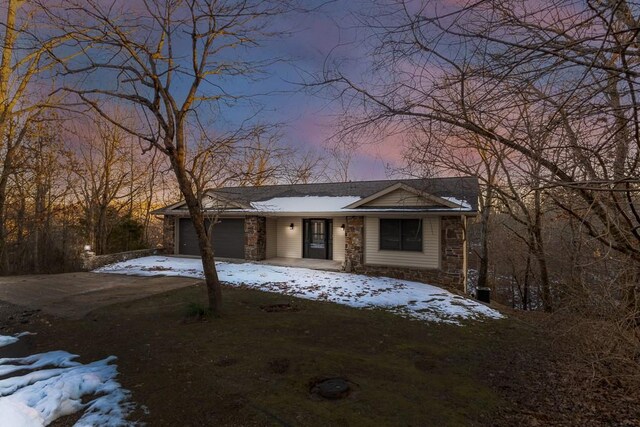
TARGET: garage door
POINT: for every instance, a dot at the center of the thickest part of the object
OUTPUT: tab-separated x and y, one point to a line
227	238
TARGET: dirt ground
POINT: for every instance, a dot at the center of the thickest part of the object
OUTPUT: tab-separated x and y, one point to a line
257	365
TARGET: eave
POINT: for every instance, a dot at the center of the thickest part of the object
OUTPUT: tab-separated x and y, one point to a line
320	214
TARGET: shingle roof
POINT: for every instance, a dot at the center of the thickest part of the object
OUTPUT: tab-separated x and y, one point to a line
461	188
464	189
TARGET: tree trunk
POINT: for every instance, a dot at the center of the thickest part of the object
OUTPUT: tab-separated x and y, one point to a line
525	290
539	253
7	168
547	298
101	230
214	290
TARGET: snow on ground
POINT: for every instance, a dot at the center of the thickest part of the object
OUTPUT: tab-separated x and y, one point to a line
5	340
37	389
409	299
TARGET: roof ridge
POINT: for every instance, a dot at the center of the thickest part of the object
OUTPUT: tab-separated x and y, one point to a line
345	182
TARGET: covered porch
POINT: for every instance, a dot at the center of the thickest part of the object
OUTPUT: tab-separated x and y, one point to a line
314	264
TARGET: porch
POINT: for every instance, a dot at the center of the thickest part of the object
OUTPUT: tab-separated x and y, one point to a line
314	264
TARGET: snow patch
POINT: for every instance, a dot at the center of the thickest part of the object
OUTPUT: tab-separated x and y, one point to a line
53	385
6	340
305	204
410	299
462	203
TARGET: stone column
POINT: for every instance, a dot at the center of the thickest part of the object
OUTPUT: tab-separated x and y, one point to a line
354	241
452	248
255	238
169	235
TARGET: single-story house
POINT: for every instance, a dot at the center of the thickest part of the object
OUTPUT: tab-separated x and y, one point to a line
407	228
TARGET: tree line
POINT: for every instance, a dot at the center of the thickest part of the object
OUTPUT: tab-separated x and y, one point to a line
96	133
540	101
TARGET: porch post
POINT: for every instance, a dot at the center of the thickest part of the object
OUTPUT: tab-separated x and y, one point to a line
169	234
354	241
255	238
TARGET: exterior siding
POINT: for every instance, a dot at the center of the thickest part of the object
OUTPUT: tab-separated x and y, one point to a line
213	203
338	239
399	197
272	238
428	258
289	242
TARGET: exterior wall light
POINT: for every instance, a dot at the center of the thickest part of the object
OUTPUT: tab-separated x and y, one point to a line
87	248
291	226
342	226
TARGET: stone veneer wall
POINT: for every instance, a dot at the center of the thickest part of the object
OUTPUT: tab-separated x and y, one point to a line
91	261
354	243
450	273
255	238
169	235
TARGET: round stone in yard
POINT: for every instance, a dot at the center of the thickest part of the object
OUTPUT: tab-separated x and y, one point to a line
331	388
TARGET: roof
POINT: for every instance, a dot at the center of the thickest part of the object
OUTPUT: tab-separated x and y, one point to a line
456	194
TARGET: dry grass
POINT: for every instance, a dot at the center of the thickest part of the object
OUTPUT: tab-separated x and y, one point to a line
256	366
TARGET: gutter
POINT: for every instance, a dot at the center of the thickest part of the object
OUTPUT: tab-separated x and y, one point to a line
312	214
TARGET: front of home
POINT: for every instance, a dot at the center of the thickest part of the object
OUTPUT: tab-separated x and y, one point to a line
412	228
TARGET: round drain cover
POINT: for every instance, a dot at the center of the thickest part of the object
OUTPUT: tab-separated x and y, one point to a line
332	388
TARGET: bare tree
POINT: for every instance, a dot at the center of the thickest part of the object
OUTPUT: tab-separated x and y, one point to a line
474	67
451	67
432	152
303	168
27	51
167	59
105	179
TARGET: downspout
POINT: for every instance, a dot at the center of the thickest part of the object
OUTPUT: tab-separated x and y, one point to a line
464	253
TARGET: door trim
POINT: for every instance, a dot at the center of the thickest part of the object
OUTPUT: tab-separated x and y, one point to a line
328	237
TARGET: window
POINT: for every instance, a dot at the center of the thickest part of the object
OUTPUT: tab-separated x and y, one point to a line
401	235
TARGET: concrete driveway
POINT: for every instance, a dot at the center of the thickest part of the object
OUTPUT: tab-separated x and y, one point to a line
73	295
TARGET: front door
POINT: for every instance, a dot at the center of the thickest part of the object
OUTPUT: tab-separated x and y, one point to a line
317	238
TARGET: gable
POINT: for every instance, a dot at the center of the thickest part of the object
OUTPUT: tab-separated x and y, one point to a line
400	198
211	202
214	202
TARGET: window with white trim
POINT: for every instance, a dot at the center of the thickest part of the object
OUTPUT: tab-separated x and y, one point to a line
401	234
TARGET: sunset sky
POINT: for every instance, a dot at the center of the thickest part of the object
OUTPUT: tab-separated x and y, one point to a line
324	36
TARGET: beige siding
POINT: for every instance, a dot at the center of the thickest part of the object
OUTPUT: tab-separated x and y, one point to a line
400	197
428	258
289	242
338	238
272	238
213	203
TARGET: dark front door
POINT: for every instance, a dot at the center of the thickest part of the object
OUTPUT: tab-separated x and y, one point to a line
317	238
